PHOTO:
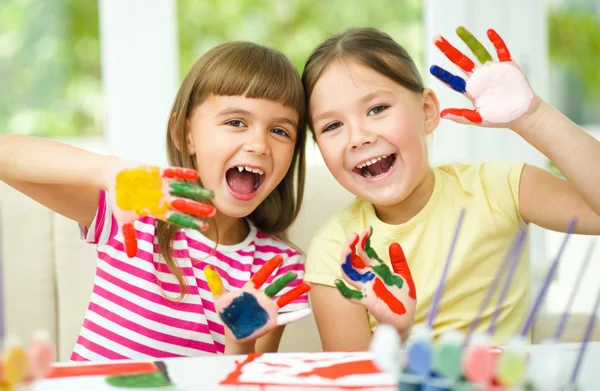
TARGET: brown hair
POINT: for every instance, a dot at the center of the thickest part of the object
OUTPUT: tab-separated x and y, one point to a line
370	47
253	71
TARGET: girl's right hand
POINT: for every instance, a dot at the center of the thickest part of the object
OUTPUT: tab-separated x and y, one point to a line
389	295
139	190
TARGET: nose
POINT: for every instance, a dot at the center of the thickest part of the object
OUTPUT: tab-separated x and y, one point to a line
360	137
257	142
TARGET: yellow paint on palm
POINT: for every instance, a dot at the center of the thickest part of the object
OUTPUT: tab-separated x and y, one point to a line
140	190
214	280
16	364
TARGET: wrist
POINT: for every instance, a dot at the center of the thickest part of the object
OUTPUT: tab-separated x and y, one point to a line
531	120
233	347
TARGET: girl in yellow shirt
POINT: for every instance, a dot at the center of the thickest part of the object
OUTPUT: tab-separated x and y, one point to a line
370	115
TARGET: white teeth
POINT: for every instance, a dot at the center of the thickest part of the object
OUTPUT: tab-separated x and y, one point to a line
368	163
250	169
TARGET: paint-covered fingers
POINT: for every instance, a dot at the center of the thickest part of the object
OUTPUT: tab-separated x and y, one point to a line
265	271
289	317
400	267
213	279
185	221
280	283
350	294
501	48
462	116
473	43
129	239
292	295
192	208
457	83
454	55
355	276
180	173
180	189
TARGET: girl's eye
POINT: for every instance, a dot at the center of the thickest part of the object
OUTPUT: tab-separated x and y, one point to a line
377	110
280	132
333	126
236	123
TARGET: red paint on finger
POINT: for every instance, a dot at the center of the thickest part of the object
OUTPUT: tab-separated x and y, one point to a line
130	240
180	173
454	55
194	208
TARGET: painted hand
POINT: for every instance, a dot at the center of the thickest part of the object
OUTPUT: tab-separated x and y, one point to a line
153	191
251	313
499	90
389	296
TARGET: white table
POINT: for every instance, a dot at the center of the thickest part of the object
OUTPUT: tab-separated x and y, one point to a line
204	373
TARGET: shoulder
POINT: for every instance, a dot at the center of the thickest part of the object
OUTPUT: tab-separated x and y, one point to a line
489	174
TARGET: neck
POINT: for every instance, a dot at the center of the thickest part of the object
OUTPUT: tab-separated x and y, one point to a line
226	230
409	207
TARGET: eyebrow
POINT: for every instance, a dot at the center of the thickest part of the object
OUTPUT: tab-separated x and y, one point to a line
246	113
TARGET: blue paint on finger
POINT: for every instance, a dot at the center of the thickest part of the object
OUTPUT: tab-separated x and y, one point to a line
244	315
354	274
455	82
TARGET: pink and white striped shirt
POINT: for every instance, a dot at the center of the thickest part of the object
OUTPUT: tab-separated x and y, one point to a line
129	316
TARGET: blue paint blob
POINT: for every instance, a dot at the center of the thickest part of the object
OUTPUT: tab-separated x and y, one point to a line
455	82
420	357
244	316
353	274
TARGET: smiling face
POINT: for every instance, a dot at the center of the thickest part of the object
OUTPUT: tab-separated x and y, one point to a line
244	148
372	131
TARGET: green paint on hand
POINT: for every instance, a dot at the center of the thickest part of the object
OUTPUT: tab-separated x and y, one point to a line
280	283
190	191
347	292
389	278
183	221
473	43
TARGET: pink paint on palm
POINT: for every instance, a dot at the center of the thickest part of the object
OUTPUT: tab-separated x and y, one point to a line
491	84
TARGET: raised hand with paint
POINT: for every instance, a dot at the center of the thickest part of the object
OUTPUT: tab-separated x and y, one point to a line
390	296
235	140
153	191
250	312
371	116
499	90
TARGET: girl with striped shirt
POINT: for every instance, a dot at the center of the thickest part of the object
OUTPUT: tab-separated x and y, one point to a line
238	123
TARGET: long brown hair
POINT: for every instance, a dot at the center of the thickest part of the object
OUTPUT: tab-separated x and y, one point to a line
254	71
370	47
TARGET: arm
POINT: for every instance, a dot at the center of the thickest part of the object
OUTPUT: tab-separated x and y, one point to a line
63	178
547	200
343	326
269	343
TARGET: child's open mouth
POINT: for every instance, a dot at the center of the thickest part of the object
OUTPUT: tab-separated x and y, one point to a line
376	167
244	181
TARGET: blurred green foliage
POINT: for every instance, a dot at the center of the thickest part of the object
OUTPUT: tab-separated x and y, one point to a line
50	73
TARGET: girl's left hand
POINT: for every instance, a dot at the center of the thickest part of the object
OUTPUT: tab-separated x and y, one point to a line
499	90
250	312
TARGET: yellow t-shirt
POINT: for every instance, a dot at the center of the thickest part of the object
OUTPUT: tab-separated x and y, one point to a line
489	192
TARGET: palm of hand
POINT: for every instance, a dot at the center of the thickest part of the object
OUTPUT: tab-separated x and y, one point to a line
138	191
499	90
249	313
390	296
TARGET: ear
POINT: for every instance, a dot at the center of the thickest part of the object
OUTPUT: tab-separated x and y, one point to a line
176	135
431	110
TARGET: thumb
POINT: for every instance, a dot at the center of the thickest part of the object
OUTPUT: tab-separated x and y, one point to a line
400	267
129	239
214	280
